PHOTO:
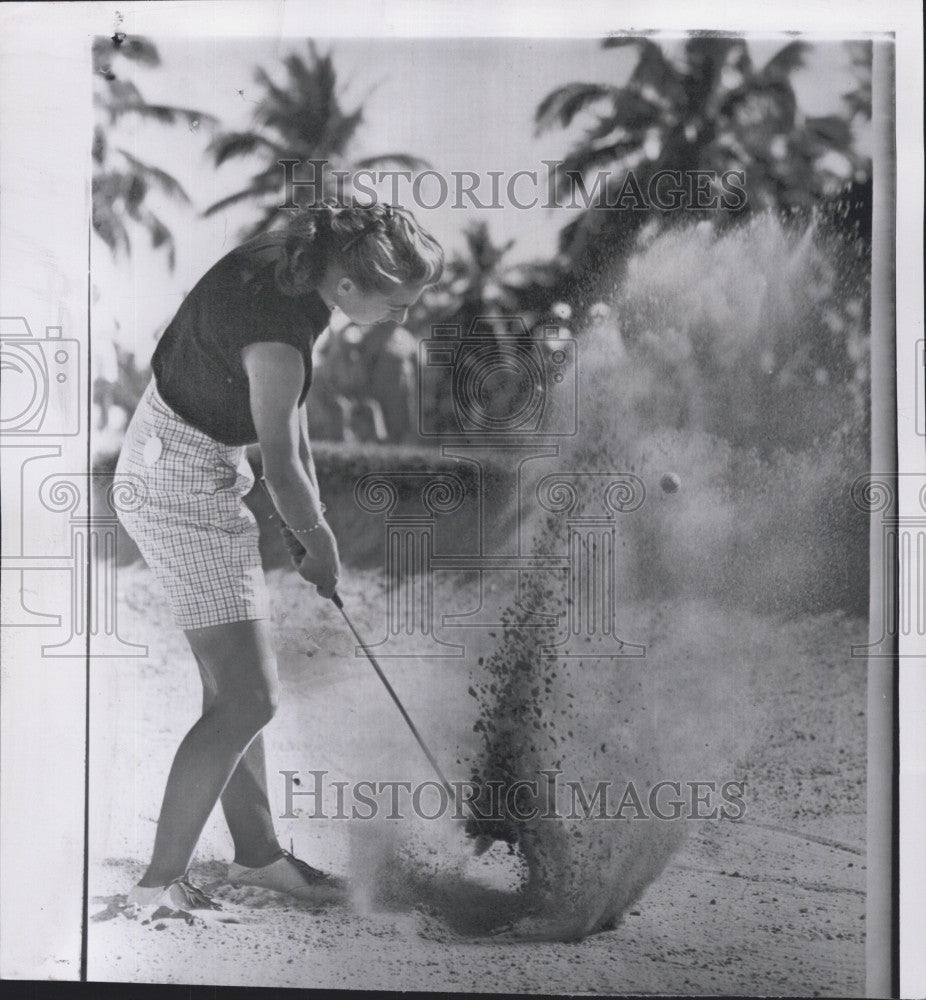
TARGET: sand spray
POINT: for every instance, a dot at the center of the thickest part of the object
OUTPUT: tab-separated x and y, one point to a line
736	362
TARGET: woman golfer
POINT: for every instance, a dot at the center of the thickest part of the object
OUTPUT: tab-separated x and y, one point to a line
233	368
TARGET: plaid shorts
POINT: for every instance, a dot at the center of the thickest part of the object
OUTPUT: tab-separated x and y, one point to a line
193	528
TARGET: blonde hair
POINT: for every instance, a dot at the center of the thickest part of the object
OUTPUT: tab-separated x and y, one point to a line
379	246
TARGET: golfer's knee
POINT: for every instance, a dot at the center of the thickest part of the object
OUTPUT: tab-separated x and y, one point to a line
259	704
250	708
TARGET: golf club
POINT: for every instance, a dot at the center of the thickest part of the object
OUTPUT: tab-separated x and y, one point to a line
448	788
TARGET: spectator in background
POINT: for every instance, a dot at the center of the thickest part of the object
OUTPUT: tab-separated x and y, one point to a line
390	359
365	386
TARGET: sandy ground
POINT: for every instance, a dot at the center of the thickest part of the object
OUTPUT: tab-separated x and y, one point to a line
771	904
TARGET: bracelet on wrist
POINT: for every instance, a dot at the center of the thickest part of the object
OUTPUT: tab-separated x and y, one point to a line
308	531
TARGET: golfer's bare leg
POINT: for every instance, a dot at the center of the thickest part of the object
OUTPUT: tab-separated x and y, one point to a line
239	662
245	801
247	809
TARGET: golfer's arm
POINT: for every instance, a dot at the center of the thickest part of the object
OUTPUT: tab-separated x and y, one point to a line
275	373
305	448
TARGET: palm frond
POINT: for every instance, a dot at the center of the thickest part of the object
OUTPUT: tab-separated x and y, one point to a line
403	161
228	145
160	178
785	61
160	235
830	132
742	60
101	54
707	56
623	41
99	147
168	114
253	190
104	49
633	111
564	103
858	100
654	70
315	79
606	127
136	48
122	97
134	191
107	224
581	162
338	130
592	157
275	96
773	103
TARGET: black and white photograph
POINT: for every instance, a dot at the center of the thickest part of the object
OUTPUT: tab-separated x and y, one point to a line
464	498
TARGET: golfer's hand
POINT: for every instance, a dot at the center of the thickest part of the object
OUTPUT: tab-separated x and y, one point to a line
320	564
294	547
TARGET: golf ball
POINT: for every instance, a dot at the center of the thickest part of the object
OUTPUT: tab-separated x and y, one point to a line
670	483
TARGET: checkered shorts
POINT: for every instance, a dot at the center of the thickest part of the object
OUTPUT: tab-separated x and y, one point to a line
193	529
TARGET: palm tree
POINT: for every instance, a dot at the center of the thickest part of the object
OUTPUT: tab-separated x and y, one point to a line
477	277
508	299
713	109
302	120
852	207
858	100
122	182
479	282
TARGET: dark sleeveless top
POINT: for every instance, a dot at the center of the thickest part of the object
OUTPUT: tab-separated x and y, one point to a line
197	363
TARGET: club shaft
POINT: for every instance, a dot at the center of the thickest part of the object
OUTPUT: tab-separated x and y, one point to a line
411	725
339	604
